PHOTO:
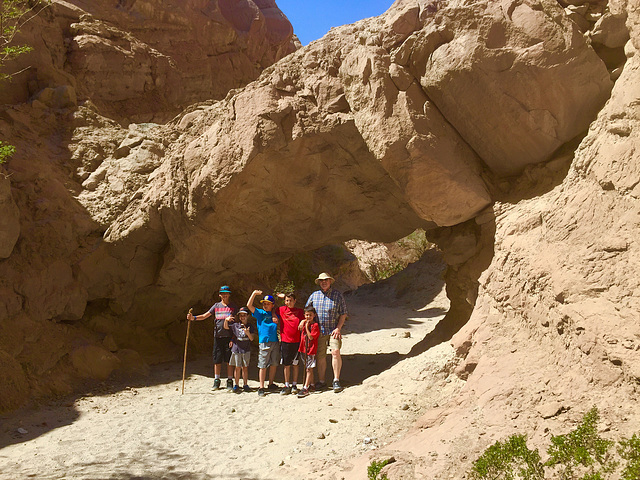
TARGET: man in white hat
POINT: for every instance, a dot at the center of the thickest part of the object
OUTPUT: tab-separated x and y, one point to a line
332	313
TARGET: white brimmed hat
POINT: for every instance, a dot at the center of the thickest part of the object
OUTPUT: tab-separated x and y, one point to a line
324	276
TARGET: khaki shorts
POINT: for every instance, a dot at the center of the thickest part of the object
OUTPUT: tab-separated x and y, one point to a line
327	341
268	354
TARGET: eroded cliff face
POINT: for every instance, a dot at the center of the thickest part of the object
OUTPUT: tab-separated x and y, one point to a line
419	118
147	60
554	330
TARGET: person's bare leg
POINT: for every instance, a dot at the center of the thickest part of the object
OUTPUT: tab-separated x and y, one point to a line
217	368
272	373
263	376
245	375
322	368
230	371
336	363
237	375
295	374
287	373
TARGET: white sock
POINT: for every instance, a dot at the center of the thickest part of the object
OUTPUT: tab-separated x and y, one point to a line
217	377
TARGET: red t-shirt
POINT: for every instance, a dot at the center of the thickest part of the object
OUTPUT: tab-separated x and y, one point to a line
310	345
290	320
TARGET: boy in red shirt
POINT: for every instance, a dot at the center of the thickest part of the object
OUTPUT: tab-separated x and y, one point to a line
290	317
309	346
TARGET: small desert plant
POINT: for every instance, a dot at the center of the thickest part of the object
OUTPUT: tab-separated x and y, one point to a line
508	460
383	269
6	151
582	449
374	469
285	287
416	242
629	450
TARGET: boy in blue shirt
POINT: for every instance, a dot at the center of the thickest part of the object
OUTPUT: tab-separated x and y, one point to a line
269	352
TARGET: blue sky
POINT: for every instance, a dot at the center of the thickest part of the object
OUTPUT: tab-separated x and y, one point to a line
311	19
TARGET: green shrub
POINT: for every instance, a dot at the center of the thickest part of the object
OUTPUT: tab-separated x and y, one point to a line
285	287
374	469
383	269
508	460
578	455
582	449
629	450
6	151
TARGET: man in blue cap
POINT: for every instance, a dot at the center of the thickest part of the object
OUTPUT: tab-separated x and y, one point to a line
269	353
221	336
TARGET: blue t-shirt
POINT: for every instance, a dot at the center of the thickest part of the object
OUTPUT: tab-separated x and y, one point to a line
267	330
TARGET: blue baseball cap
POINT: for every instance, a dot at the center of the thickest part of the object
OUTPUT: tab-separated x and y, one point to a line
268	298
225	289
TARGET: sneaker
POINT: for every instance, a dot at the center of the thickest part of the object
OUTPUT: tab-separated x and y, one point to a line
336	386
236	389
320	386
246	388
261	392
216	384
303	393
229	384
294	389
273	386
285	391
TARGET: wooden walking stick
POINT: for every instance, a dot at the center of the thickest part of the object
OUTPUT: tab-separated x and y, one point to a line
186	342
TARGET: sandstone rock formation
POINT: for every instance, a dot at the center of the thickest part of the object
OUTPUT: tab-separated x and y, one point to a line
147	60
413	119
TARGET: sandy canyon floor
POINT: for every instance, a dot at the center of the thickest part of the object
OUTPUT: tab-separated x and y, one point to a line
150	431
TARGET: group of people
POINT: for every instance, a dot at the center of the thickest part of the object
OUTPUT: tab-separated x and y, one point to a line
287	335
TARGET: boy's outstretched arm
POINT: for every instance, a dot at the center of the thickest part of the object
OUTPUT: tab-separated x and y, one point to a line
251	299
197	318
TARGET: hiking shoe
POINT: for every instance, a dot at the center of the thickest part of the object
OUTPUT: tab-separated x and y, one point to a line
246	388
294	389
337	388
273	386
261	392
229	384
236	389
320	386
285	391
303	393
216	384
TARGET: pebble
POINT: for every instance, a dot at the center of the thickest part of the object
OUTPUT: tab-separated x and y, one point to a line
354	409
333	420
404	407
367	440
23	431
321	436
407	335
281	463
233	410
309	444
